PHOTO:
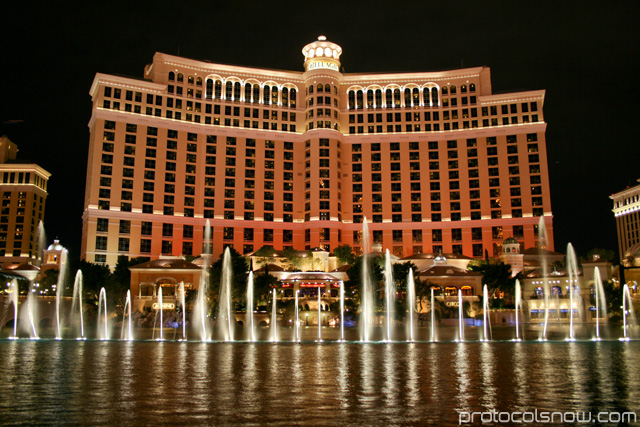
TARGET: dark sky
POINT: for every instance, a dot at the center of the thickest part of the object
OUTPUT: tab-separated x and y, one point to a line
583	53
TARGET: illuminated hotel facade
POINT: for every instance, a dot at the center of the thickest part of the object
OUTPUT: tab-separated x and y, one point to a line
433	160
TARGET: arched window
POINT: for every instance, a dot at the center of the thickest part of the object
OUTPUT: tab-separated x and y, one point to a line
180	77
256	94
292	97
352	99
378	98
472	87
172	76
218	90
396	98
310	89
452	89
434	97
407	97
208	94
236	91
228	91
199	81
369	98
247	92
359	99
426	96
416	97
266	94
190	80
285	97
445	91
463	89
327	88
389	98
320	87
274	95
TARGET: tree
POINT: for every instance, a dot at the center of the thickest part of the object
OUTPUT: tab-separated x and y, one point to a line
95	277
49	282
345	255
603	254
120	281
353	286
262	285
496	275
239	271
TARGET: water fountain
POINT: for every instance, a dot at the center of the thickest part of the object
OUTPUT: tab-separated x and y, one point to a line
601	303
77	301
572	268
127	316
184	311
319	317
297	318
32	313
460	318
341	311
62	275
485	314
249	316
201	309
628	315
160	304
274	324
411	303
518	307
542	237
433	317
102	315
389	294
367	289
13	298
226	320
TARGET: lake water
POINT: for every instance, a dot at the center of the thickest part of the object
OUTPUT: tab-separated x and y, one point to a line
329	383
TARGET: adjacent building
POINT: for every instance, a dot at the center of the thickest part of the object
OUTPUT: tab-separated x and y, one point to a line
433	161
23	188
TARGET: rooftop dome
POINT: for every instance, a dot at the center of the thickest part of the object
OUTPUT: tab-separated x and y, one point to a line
510	241
55	246
322	54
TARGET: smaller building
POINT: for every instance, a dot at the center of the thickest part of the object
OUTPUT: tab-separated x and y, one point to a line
165	273
626	208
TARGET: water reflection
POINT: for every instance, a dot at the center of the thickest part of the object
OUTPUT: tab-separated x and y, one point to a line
127	383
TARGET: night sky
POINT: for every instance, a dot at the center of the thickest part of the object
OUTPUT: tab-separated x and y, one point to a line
584	54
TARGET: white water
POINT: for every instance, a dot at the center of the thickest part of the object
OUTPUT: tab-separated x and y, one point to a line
319	317
601	303
367	291
433	317
13	297
518	308
77	300
161	312
389	293
628	315
102	315
274	325
62	274
460	318
126	316
542	237
249	315
226	320
297	318
201	309
411	303
572	267
341	311
31	314
485	313
184	310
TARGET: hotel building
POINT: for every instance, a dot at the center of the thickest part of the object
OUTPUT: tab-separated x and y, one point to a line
433	160
23	188
626	208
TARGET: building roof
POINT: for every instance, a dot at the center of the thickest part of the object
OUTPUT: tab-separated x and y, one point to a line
269	267
439	270
166	263
540	252
311	276
433	256
633	251
510	241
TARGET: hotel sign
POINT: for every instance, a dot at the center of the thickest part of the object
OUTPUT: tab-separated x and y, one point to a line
165	306
313	65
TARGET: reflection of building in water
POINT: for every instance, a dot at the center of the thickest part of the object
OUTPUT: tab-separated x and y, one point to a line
434	160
